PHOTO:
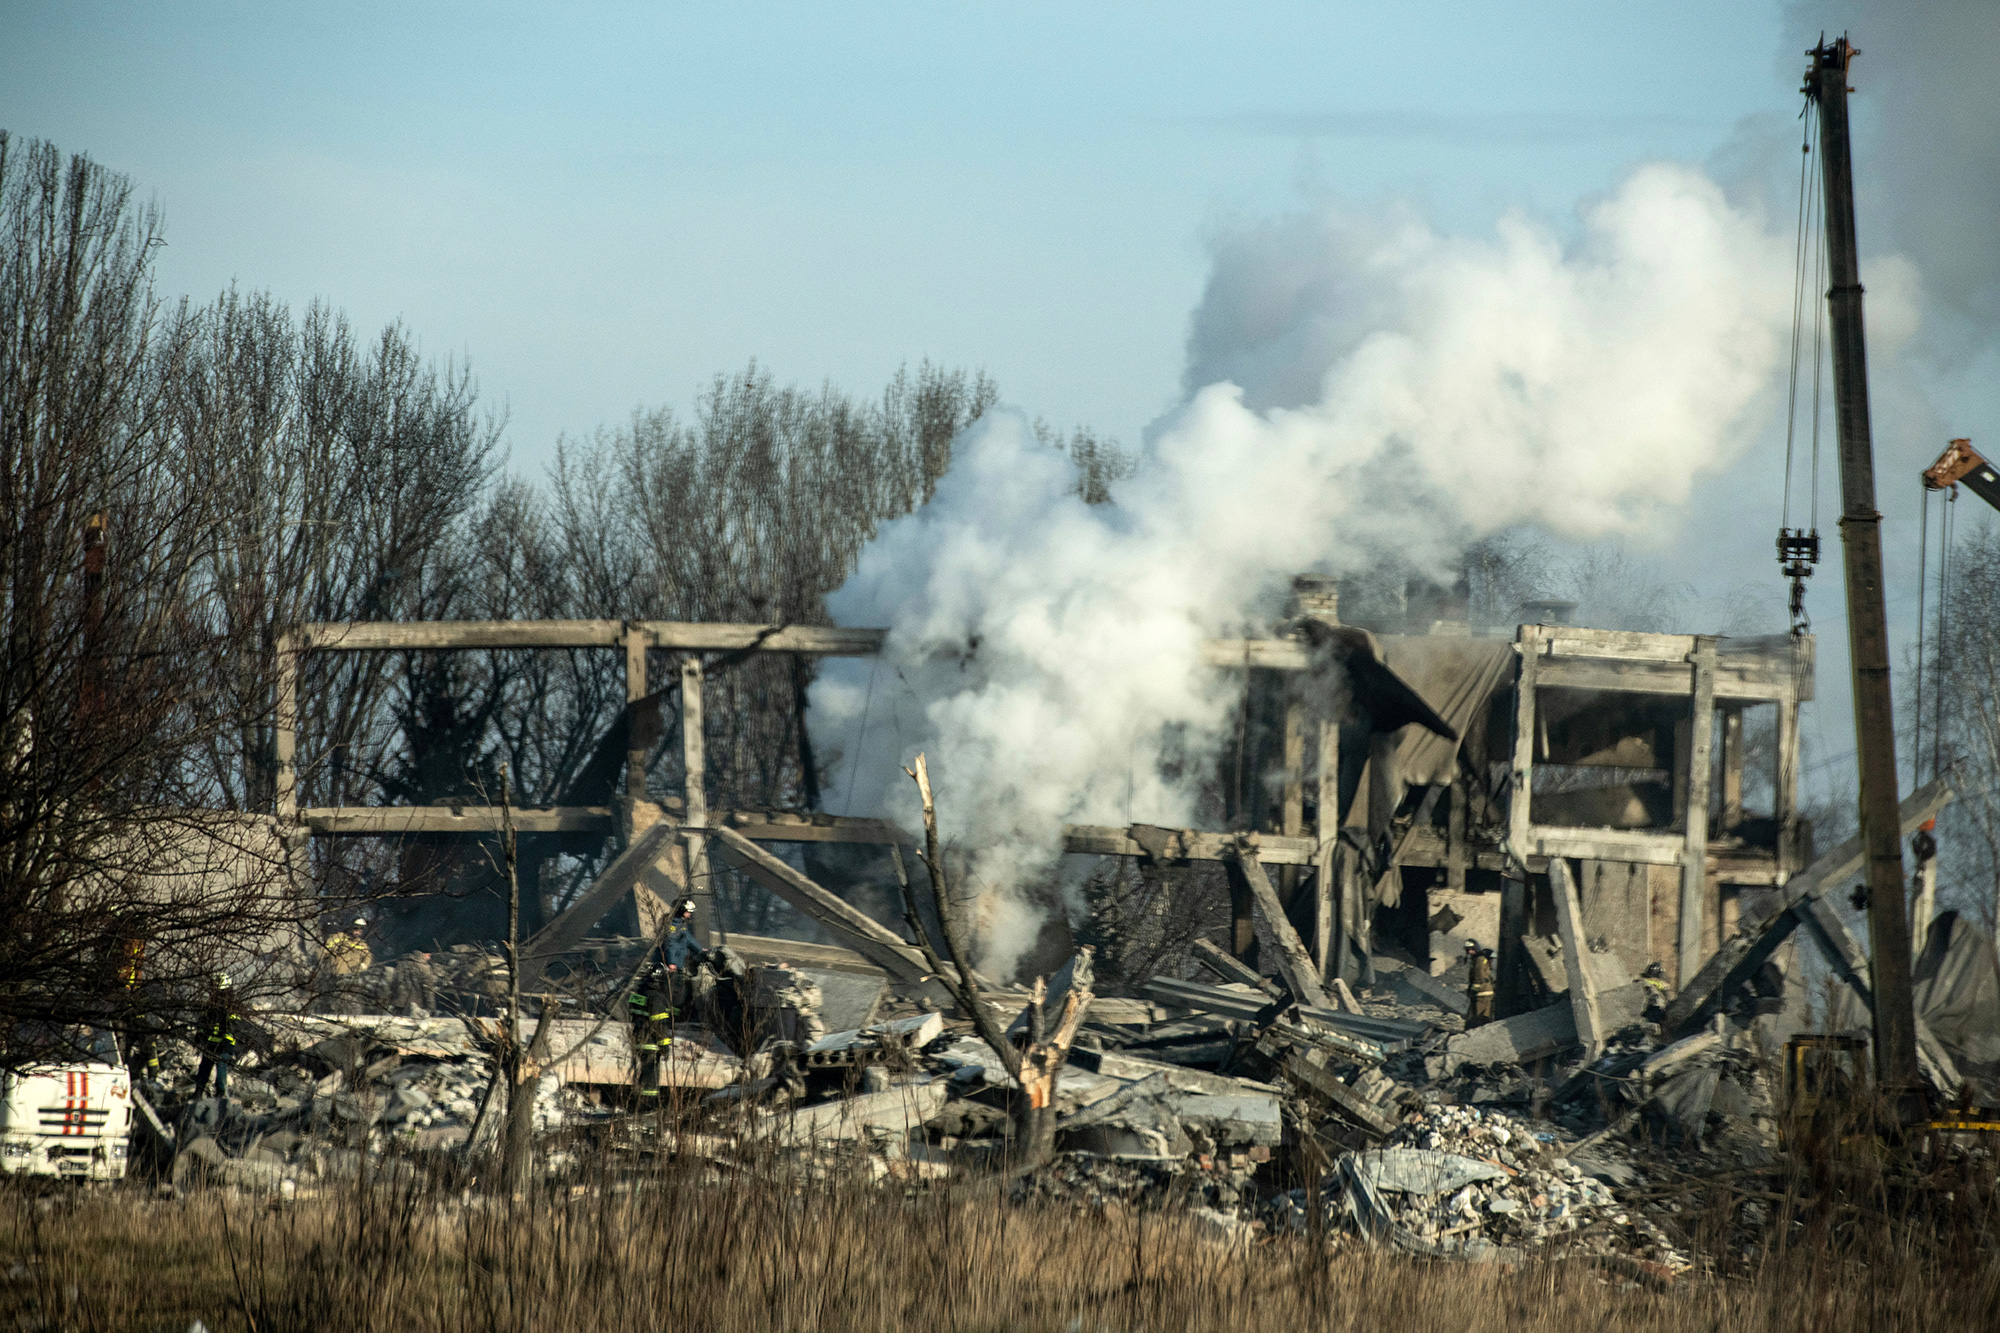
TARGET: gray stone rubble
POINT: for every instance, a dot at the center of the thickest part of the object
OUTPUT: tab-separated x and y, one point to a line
1392	1126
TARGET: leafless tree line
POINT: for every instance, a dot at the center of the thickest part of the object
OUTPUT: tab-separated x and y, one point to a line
183	483
1952	721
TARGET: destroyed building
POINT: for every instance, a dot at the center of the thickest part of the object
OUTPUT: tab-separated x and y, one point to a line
1586	803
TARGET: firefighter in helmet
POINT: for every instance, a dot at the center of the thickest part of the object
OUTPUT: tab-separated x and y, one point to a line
218	1037
1478	985
659	994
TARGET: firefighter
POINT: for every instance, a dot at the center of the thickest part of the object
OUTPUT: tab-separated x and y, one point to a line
1657	990
652	1011
348	951
142	1055
218	1041
662	991
1478	985
682	948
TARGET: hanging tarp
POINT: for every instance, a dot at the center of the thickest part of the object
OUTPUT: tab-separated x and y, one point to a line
1458	679
1956	987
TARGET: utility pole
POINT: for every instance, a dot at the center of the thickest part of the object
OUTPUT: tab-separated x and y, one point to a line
1867	617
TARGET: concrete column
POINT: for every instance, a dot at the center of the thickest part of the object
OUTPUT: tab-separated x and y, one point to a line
1694	856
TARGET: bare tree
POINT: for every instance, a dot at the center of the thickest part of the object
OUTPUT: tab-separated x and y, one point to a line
122	883
1960	721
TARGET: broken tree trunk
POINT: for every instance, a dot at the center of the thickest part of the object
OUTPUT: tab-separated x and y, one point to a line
1294	963
1033	1067
524	1079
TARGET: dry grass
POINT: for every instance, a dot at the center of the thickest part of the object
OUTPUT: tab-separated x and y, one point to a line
686	1252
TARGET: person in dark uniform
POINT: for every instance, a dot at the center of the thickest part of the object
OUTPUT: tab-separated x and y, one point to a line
660	992
652	1010
218	1039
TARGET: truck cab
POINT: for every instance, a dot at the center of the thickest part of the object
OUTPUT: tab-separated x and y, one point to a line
66	1120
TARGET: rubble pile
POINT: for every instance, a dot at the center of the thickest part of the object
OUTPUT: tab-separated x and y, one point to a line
1383	1110
1455	1181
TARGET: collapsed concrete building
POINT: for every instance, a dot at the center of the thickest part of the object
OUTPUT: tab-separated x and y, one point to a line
1586	803
1457	764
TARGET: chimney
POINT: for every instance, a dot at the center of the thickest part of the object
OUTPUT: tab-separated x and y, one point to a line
1318	596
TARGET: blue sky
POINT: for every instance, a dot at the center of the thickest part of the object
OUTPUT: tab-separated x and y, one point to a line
601	205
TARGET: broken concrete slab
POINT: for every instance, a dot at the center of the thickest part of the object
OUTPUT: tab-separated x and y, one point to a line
435	1038
858	1044
1421	1171
847	999
1116	1064
599	1052
1240	1002
1141	1129
1106	1107
1539	1032
974	1062
1416	986
1669	1058
1232	1120
1346	1100
900	1110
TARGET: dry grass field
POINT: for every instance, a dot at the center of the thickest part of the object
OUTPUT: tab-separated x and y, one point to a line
686	1250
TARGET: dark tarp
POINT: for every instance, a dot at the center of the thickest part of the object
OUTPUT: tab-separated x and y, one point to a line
1458	678
1956	986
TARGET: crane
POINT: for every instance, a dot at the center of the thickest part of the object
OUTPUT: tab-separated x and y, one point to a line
1960	464
1867	613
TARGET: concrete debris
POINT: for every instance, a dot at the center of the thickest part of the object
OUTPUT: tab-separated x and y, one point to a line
895	1112
1477	1144
786	1003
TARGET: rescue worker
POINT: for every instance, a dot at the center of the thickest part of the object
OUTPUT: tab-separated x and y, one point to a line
1478	985
662	990
142	1055
682	948
218	1041
348	951
1657	990
652	1011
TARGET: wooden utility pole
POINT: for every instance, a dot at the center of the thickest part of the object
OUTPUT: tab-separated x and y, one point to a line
1867	617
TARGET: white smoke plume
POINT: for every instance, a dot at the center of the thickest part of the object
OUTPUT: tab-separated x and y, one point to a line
1393	388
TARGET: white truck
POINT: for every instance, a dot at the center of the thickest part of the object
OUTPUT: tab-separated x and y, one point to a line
70	1120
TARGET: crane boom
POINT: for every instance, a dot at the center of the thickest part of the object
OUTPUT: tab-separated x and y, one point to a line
1960	464
1867	615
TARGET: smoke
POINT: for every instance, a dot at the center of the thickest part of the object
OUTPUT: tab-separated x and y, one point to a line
1358	383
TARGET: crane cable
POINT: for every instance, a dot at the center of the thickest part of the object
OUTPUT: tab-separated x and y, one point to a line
1798	549
1938	659
1923	611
